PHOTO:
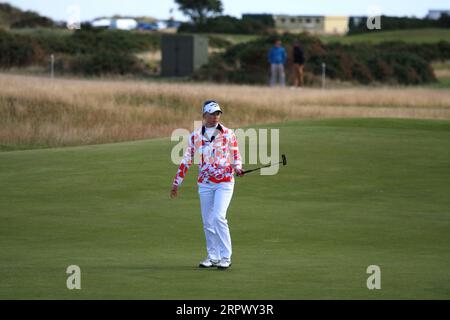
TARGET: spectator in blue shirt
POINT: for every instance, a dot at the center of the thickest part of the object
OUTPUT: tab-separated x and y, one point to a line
277	59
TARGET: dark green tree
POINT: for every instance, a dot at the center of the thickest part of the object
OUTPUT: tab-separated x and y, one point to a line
200	10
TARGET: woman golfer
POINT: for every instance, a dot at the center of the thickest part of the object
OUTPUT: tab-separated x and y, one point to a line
219	158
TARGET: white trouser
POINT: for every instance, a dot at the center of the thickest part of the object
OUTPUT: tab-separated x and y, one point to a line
214	201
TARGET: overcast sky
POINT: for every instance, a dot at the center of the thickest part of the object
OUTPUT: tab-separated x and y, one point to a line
89	9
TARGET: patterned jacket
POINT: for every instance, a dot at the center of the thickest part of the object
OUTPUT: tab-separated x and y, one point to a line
218	156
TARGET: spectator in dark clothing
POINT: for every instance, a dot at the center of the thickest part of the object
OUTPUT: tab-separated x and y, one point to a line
299	61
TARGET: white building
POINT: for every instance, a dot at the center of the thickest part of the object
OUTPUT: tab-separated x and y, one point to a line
313	24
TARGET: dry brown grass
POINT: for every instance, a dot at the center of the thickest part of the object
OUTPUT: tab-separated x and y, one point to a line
445	73
40	112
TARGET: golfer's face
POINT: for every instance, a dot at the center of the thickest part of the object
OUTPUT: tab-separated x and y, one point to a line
212	119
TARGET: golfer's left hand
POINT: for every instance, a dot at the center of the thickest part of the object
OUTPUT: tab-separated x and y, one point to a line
174	192
240	172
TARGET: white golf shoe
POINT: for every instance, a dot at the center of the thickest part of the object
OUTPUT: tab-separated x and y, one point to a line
224	263
208	263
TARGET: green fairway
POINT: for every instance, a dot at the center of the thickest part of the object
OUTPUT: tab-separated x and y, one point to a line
356	192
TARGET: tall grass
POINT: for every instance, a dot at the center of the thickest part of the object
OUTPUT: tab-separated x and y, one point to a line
39	112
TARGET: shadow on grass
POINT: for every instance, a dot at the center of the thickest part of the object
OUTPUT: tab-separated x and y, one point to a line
159	267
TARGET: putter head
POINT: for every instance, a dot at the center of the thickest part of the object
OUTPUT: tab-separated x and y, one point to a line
283	158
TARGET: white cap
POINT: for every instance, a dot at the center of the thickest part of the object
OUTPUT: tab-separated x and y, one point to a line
211	107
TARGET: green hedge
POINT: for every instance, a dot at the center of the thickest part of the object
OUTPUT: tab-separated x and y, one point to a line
93	52
87	51
395	63
103	63
90	41
358	25
229	25
16	51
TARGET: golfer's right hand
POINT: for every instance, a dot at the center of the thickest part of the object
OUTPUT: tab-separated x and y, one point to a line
174	192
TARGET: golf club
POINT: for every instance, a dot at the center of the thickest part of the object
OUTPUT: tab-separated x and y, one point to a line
284	162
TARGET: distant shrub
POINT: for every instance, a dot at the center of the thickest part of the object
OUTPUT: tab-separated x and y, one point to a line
230	25
93	51
428	51
103	63
381	70
15	51
363	63
91	40
358	24
33	22
409	68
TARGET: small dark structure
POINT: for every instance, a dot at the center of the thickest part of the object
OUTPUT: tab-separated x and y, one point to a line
183	54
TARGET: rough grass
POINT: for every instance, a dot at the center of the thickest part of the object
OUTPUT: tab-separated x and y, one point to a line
38	112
